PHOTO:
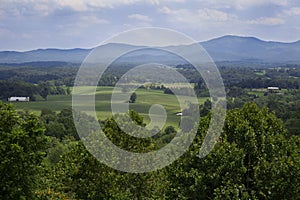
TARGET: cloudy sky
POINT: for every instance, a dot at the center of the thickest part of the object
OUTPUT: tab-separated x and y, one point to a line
32	24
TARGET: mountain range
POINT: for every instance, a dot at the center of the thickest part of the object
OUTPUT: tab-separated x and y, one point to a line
227	48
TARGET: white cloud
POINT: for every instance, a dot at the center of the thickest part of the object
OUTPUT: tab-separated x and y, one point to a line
81	24
241	4
86	19
270	21
84	5
214	14
198	16
159	2
43	9
140	17
87	5
78	5
90	19
292	11
47	6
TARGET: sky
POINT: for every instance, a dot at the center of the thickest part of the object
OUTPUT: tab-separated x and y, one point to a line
33	24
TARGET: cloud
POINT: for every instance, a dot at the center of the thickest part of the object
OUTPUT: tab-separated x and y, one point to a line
44	7
76	22
197	16
91	19
81	25
269	21
78	5
86	5
214	14
241	4
140	17
292	11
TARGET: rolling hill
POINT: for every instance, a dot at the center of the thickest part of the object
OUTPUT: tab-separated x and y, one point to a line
226	48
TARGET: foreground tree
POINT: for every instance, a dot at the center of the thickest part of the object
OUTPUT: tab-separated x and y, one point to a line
22	146
253	159
79	175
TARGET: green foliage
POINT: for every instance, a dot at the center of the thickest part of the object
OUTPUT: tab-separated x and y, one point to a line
55	150
78	175
132	98
60	72
253	159
43	89
170	129
205	108
11	88
123	140
59	125
22	148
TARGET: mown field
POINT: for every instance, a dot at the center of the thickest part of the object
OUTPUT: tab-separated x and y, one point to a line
145	99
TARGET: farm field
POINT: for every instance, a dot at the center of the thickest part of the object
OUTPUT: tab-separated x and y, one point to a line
145	99
261	92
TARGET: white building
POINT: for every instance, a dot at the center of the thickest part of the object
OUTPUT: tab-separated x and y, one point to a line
273	89
23	99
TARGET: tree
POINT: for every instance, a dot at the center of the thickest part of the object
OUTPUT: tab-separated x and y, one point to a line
22	149
170	129
132	98
205	108
43	89
253	159
78	174
10	88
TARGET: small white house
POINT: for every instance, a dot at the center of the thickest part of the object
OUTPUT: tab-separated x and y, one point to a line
22	99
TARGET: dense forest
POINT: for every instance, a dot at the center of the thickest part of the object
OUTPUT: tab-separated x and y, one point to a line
256	157
42	158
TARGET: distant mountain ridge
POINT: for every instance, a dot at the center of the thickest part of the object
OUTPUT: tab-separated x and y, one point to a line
226	48
61	55
234	48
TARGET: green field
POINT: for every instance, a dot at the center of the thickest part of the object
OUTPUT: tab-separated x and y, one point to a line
145	99
257	92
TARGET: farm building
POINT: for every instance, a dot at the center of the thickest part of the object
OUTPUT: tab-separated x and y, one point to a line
22	99
273	89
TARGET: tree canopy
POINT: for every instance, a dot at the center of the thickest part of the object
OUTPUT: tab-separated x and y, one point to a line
22	149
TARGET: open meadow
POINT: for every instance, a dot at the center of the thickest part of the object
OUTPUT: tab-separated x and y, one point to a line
145	99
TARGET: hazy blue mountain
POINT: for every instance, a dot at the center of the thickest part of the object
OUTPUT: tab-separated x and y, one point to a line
226	48
234	48
62	55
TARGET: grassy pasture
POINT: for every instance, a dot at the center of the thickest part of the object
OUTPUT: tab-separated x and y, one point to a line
145	99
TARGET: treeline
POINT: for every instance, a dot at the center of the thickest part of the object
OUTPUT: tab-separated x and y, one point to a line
246	77
11	88
17	88
37	72
61	73
254	158
285	76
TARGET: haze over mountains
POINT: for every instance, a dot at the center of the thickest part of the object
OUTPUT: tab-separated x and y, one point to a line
226	48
